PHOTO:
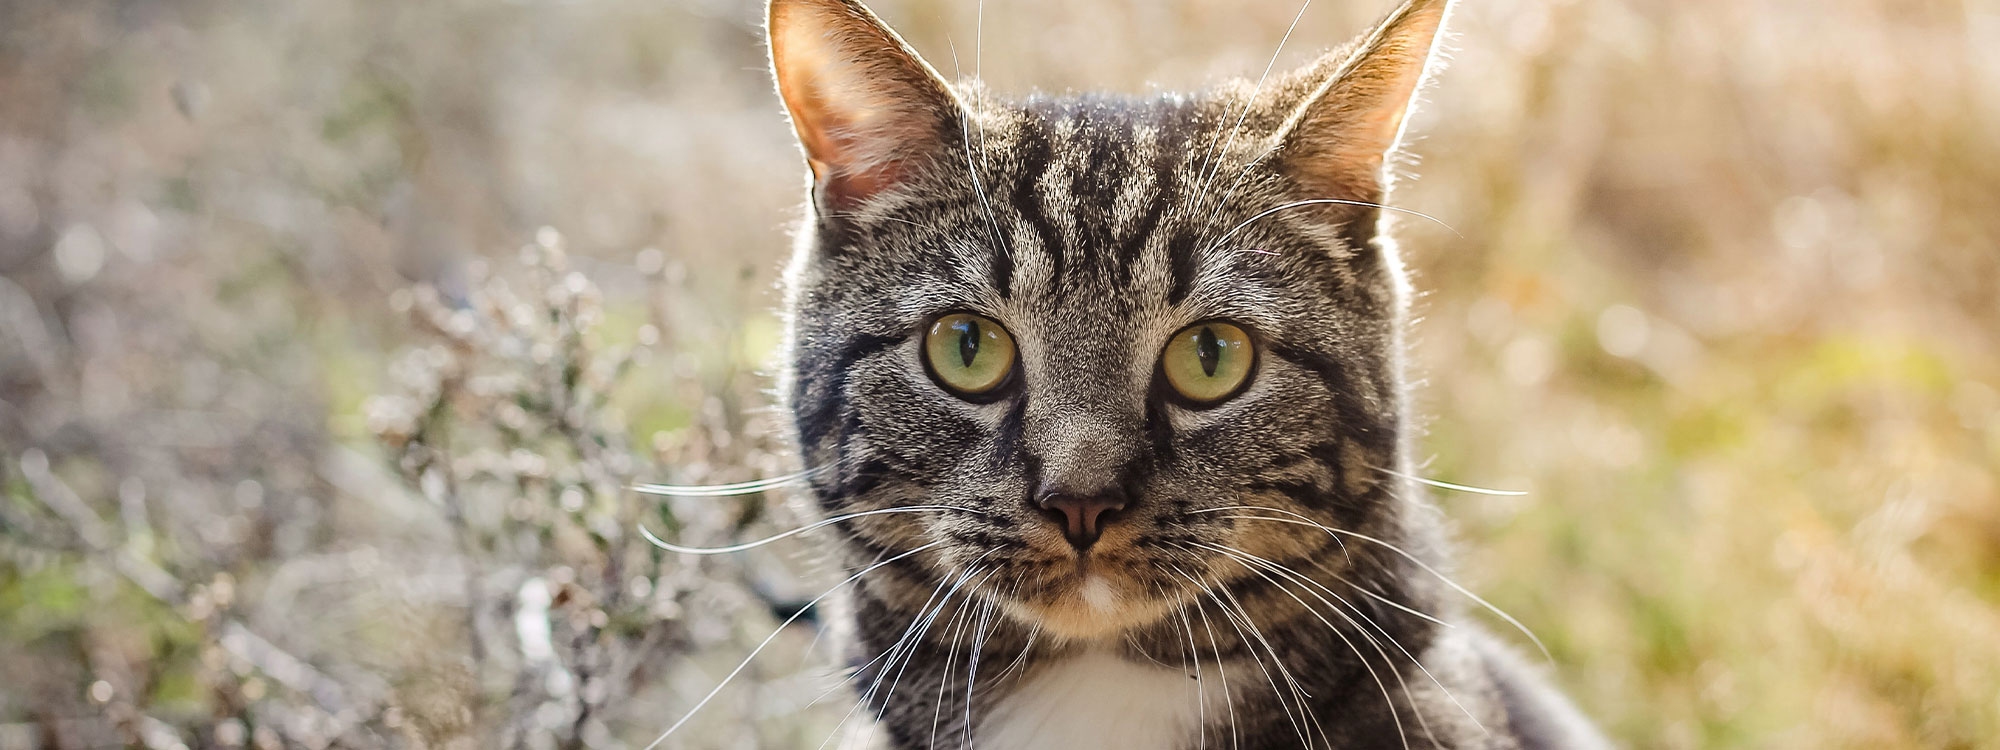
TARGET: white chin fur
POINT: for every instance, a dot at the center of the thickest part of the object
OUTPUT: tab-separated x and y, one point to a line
1098	593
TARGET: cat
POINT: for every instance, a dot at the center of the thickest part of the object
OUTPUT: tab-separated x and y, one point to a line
1105	402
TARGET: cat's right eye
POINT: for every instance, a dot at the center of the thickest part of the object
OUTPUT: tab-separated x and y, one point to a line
970	355
1208	362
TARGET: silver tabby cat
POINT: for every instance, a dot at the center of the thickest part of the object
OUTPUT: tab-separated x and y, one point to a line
1123	378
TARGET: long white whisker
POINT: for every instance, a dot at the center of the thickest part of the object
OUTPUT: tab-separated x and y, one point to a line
671	547
1245	558
1299	693
1194	655
1214	164
1306	521
893	648
725	490
1363	589
972	668
773	636
1324	202
1390	702
909	654
1350	561
1236	621
886	653
965	138
1450	485
959	620
905	646
1033	631
1208	626
1413	660
1027	648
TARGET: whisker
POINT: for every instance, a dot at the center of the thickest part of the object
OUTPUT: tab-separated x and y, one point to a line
1299	693
1214	163
774	636
1326	202
1194	655
1200	686
868	217
959	620
1350	562
1208	626
1306	521
905	646
1244	559
965	139
671	547
909	654
1450	485
1364	590
726	490
1309	584
886	653
1237	622
972	669
1033	632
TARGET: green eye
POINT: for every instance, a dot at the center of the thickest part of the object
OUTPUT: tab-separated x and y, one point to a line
969	354
1208	362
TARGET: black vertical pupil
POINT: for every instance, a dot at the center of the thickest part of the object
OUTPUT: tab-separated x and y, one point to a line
1207	349
968	341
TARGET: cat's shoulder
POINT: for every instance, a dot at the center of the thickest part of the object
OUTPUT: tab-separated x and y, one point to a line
1539	716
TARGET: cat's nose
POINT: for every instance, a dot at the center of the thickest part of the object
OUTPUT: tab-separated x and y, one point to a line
1082	514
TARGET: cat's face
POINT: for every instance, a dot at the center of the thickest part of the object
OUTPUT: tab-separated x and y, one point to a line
1073	327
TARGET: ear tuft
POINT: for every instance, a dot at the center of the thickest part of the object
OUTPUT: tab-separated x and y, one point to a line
866	107
1337	141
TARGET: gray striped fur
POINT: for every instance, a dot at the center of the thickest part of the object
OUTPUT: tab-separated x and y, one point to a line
1094	227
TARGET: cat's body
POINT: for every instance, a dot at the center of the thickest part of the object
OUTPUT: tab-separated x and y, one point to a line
1143	410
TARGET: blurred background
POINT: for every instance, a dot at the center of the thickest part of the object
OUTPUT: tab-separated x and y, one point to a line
332	335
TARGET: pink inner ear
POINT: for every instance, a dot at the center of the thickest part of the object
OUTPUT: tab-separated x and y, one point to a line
1343	134
865	107
844	189
853	151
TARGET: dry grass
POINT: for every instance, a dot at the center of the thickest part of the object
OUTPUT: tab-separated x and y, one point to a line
1724	296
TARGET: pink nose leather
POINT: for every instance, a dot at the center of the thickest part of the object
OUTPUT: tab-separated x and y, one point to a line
1083	517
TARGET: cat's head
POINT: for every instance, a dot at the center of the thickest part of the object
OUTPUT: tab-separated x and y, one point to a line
1122	339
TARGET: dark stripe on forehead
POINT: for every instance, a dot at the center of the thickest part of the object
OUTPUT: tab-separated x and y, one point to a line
1181	266
1003	270
1036	152
1134	246
1094	189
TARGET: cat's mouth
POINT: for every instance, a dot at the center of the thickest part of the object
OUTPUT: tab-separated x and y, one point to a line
1091	596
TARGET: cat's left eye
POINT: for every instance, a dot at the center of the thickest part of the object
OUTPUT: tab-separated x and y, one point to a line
1208	362
970	355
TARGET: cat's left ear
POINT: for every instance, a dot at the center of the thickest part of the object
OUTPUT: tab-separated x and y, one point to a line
867	109
1351	119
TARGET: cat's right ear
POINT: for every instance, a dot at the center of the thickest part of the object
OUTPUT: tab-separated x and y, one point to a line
867	109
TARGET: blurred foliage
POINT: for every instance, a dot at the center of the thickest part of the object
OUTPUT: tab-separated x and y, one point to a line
295	436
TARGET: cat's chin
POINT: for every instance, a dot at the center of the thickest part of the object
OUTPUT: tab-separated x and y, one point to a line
1088	606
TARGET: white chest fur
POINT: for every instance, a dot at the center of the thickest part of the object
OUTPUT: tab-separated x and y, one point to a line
1097	701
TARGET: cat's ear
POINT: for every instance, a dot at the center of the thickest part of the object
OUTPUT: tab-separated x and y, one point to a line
1355	100
867	109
